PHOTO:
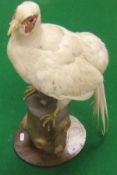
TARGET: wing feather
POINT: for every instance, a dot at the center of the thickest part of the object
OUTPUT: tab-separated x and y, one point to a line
69	81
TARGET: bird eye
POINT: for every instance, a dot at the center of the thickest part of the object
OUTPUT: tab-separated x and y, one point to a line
31	20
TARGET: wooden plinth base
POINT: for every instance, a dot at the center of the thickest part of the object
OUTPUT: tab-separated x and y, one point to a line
76	137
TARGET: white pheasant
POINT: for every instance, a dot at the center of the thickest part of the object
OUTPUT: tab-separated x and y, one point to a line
57	62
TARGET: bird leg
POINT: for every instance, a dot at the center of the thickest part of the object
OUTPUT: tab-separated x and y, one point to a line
29	91
51	117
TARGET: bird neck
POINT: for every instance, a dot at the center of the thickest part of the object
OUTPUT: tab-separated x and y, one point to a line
28	40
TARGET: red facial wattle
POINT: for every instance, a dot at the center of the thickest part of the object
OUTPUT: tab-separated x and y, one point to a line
29	23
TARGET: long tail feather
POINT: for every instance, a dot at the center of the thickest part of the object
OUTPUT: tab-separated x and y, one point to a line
100	107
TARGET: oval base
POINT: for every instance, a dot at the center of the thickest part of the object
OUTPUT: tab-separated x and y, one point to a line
76	136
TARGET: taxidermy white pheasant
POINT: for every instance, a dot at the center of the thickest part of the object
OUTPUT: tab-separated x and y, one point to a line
57	62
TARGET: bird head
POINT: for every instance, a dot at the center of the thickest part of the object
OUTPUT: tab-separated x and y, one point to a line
26	17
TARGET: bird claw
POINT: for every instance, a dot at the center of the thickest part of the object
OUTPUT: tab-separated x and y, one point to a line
47	119
29	92
50	118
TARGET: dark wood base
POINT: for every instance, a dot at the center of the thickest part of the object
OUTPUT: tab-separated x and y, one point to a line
24	147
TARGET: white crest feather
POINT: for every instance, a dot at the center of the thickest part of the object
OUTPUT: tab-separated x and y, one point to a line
24	10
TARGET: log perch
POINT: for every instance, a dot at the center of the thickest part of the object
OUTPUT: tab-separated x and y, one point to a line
52	140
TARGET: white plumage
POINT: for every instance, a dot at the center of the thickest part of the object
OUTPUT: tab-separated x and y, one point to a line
61	64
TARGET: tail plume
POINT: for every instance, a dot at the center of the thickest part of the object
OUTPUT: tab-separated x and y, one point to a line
100	107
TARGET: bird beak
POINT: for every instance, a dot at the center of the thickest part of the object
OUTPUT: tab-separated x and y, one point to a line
13	27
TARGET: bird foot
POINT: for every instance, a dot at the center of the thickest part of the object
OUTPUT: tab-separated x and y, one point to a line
50	119
29	91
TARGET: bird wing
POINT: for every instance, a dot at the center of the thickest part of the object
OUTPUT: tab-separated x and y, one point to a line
70	80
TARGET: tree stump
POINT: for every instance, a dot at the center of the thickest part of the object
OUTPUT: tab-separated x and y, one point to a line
49	139
48	146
